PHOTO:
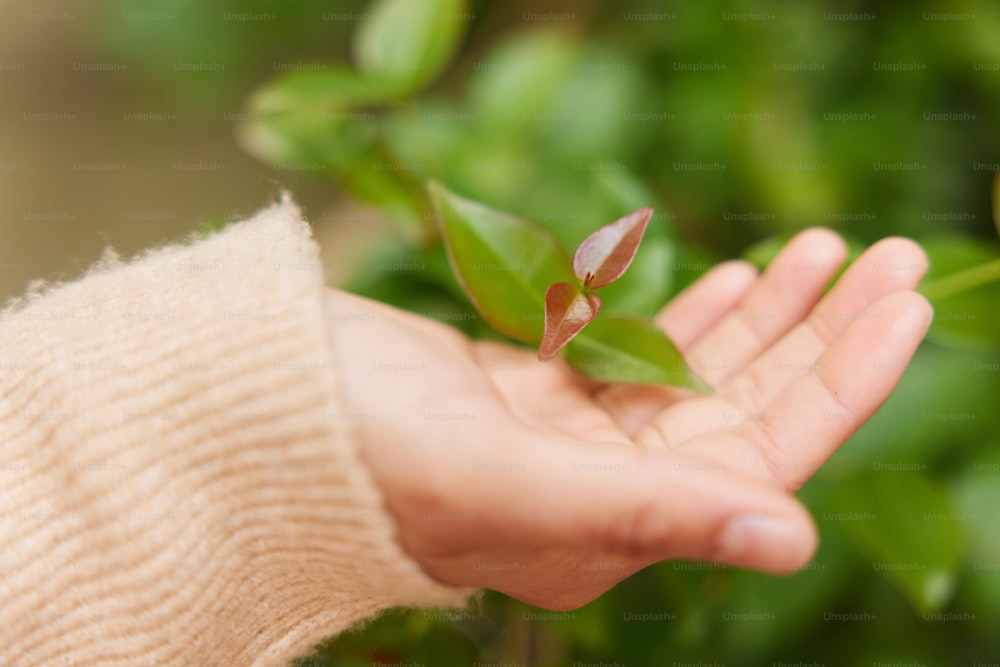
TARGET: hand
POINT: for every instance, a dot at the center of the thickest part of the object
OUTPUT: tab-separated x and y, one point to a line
521	476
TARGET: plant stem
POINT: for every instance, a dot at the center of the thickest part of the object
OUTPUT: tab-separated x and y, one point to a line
970	278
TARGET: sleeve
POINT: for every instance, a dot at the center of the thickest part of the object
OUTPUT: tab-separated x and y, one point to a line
177	483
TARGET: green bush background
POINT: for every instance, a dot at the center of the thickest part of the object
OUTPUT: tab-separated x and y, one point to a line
740	123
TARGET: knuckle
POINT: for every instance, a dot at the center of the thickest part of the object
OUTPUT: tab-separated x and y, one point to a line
634	531
748	390
760	433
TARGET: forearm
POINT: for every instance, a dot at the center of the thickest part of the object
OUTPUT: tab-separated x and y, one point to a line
178	488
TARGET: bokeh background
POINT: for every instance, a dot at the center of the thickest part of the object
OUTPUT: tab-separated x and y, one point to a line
129	123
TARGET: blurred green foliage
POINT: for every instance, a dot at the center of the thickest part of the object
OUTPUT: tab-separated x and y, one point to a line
740	125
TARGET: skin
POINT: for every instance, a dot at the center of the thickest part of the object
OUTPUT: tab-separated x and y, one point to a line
524	477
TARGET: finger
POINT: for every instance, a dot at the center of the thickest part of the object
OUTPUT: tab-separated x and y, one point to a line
890	265
724	320
703	303
639	505
782	296
802	427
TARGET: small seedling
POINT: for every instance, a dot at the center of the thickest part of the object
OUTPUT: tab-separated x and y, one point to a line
599	261
524	284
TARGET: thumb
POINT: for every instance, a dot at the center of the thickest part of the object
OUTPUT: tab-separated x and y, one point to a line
649	505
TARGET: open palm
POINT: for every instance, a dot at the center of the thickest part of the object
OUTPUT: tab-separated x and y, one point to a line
527	478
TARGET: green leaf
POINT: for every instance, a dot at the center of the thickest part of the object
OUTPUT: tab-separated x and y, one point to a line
515	85
996	201
616	349
407	44
505	264
945	401
568	310
320	143
591	114
963	285
306	140
402	207
906	525
310	121
977	495
307	118
332	89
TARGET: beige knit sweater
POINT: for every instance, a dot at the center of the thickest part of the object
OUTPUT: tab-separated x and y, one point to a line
178	484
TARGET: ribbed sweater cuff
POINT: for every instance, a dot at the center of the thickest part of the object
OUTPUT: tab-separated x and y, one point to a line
180	486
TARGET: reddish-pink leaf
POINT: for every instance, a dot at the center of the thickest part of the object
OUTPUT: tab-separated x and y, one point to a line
567	311
604	255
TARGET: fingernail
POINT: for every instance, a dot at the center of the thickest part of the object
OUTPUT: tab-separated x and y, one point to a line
752	540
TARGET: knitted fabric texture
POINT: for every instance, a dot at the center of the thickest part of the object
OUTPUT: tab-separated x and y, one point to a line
176	485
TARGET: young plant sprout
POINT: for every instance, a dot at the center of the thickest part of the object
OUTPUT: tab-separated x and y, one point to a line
521	280
599	261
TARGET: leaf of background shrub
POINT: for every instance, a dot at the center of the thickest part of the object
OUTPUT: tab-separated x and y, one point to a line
407	44
514	86
963	285
307	138
996	201
504	263
332	89
615	349
945	402
396	193
429	134
976	492
906	525
598	111
326	142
